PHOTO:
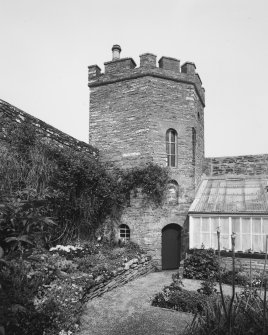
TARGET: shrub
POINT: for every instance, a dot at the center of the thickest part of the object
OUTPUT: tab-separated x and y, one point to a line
208	287
180	300
58	194
242	278
201	264
247	317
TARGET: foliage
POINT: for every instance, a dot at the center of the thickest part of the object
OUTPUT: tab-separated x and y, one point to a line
43	292
51	194
201	264
180	300
239	314
150	179
208	286
247	317
242	278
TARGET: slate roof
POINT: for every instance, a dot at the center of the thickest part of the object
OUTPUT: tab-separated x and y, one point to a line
224	194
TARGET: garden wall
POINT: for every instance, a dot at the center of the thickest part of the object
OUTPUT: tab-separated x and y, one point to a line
11	114
251	165
133	269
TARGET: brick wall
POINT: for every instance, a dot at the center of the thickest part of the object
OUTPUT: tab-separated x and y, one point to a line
130	111
237	165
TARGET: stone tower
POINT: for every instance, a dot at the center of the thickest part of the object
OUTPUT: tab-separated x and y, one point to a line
151	113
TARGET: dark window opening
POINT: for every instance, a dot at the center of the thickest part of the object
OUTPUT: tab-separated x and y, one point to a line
194	144
124	232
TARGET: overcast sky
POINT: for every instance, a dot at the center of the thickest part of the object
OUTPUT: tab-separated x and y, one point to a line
46	46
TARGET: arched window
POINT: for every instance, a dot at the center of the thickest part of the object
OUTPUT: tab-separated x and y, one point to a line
171	147
124	232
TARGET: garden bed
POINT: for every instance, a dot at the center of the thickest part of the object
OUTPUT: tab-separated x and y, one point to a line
218	309
43	292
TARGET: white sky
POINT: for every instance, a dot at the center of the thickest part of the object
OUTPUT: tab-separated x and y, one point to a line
46	46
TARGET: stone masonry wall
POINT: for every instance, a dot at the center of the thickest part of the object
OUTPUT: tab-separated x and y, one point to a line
237	165
132	269
131	110
10	114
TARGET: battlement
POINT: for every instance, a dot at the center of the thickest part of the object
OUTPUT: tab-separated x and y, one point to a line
121	69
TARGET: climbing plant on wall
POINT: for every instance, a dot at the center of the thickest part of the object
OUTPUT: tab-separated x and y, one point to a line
151	179
55	194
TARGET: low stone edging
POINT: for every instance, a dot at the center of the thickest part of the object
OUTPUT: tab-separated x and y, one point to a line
132	269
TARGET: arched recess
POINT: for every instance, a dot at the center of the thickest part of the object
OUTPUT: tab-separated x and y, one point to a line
171	246
172	192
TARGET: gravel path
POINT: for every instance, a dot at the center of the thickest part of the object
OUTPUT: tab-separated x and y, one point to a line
127	310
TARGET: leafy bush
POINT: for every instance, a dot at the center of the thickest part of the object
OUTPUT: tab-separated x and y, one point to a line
247	317
180	300
242	278
208	287
177	298
201	264
51	194
151	179
43	293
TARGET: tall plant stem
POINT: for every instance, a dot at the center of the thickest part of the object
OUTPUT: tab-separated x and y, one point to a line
233	285
220	279
264	307
265	262
265	287
250	274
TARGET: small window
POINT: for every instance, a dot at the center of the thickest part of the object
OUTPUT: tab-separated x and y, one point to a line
171	147
198	115
193	144
124	232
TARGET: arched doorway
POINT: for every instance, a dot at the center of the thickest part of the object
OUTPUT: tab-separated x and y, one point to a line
171	246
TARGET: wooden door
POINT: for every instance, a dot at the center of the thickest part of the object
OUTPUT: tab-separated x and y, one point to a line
171	242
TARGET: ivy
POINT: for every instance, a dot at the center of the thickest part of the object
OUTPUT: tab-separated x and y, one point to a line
57	194
150	179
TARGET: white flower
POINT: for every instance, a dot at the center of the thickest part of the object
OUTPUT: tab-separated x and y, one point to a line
66	248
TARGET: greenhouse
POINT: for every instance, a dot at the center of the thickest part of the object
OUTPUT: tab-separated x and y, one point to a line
238	205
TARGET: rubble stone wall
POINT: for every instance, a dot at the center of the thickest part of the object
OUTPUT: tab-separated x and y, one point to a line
251	165
10	114
133	269
131	110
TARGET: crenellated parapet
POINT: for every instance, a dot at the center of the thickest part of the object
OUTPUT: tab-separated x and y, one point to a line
122	69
